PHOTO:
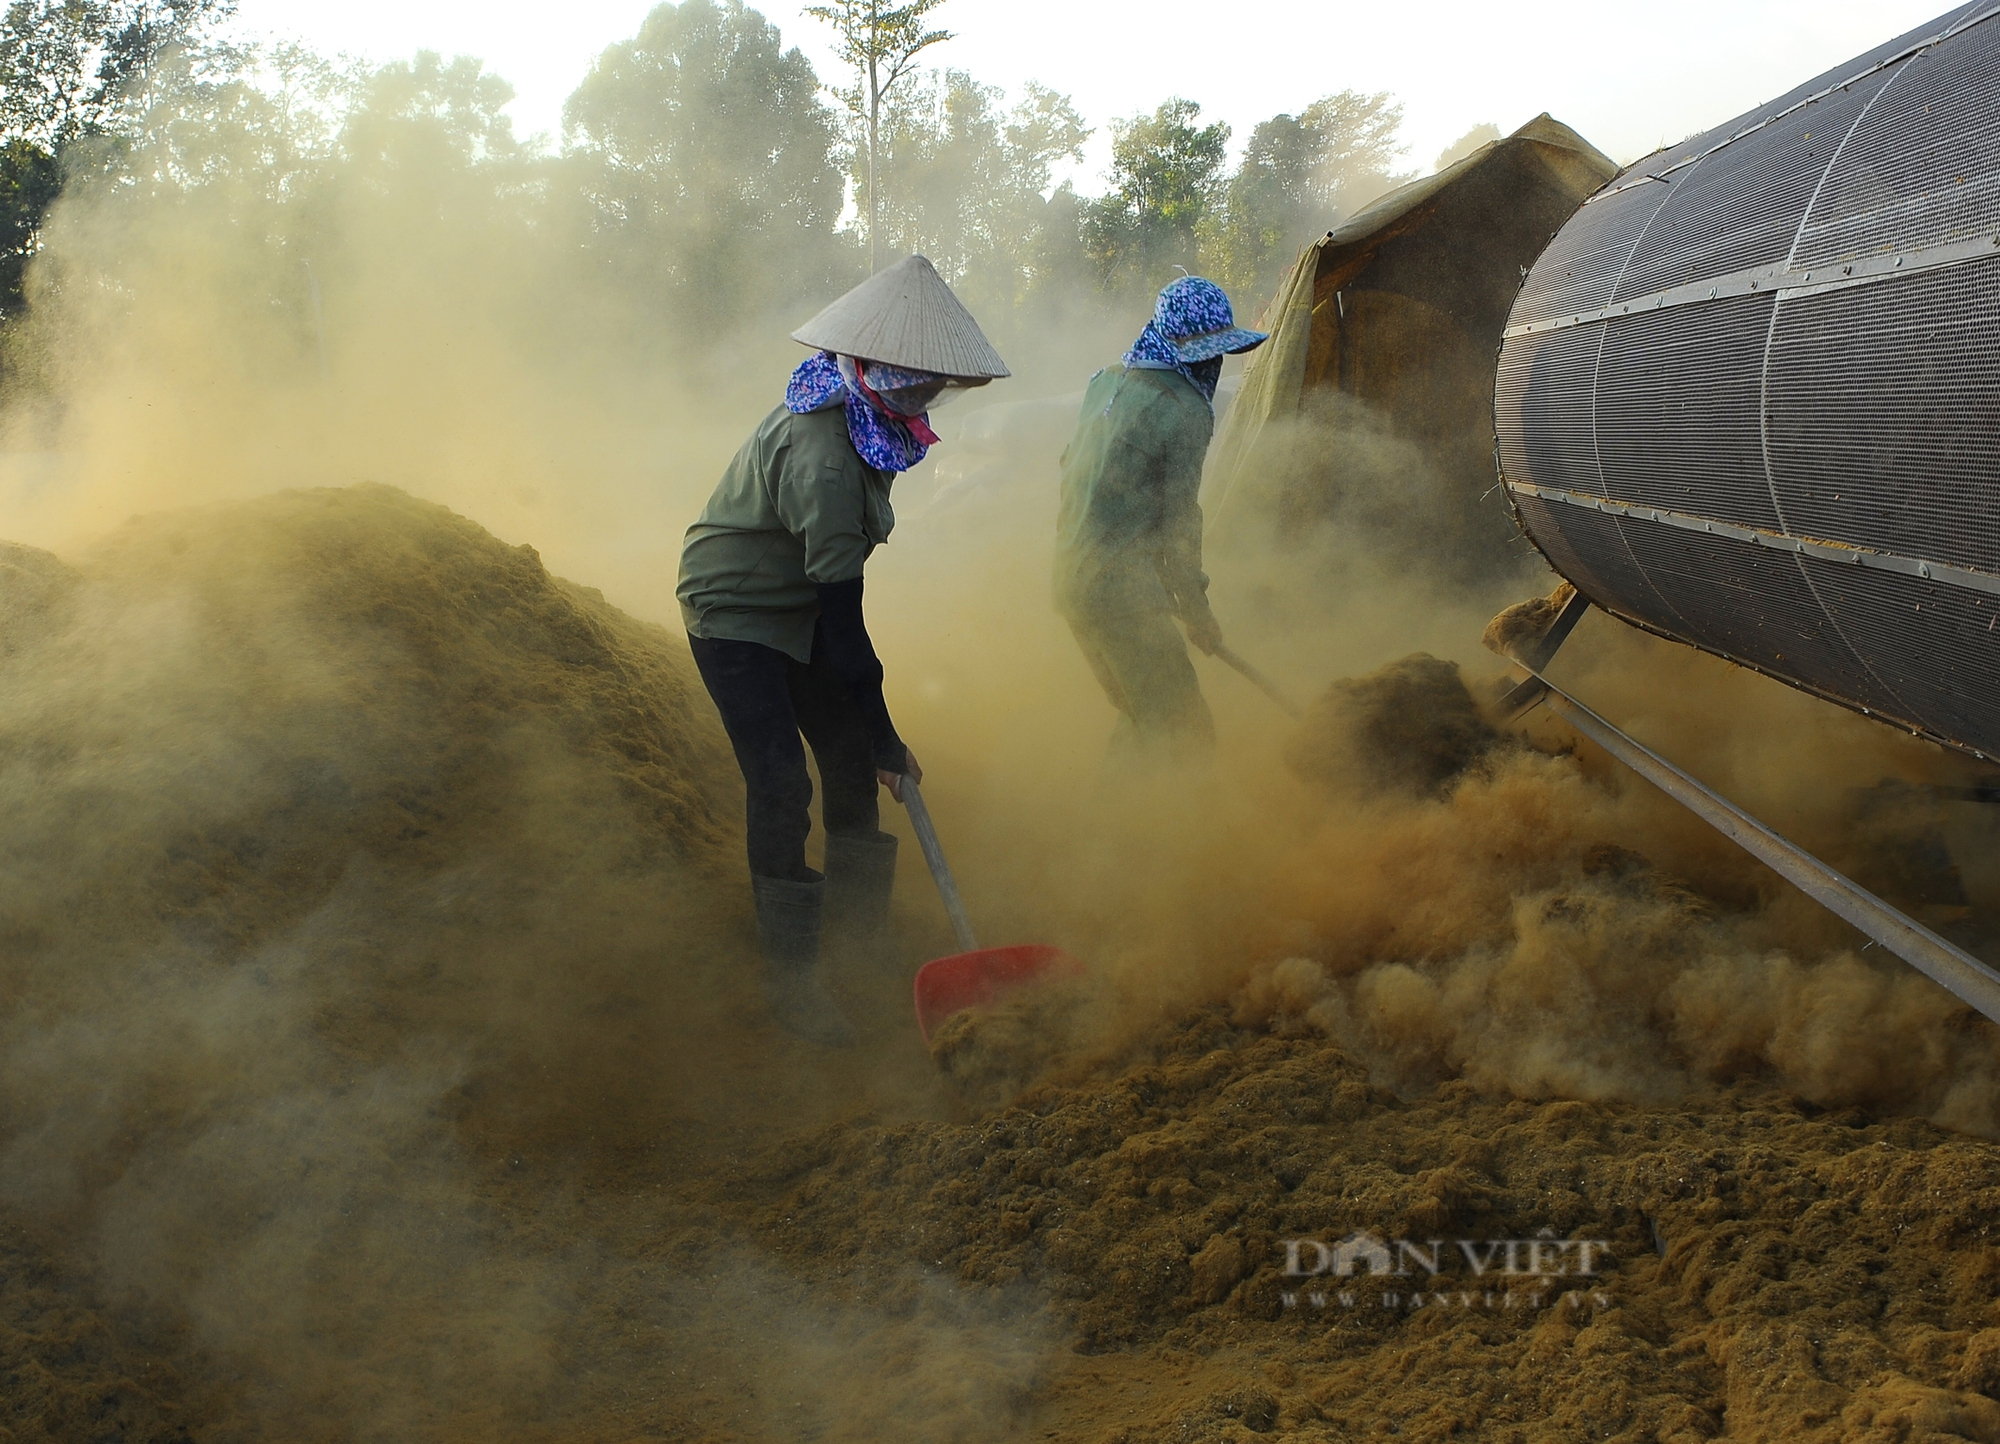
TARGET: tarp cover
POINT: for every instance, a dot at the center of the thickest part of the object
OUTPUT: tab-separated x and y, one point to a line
1400	309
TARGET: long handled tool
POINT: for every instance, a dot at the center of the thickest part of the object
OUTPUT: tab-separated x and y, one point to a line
1263	684
974	976
947	886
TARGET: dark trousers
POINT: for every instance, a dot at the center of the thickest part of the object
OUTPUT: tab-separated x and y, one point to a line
767	700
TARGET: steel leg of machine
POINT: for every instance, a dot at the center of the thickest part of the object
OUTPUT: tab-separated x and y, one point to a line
1944	963
1526	693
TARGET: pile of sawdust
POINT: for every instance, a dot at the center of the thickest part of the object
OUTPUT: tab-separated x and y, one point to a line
378	1060
1767	1270
71	1368
221	708
990	1055
339	844
1515	629
1485	919
1411	727
1489	1080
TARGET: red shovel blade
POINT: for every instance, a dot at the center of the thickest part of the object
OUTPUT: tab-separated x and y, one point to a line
972	980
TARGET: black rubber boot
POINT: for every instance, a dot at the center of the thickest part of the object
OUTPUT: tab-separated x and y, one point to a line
860	875
788	924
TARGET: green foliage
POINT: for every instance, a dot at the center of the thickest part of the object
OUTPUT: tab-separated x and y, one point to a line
141	39
78	81
29	180
430	114
965	181
72	68
881	43
50	91
698	194
1300	176
1166	181
261	123
706	159
426	151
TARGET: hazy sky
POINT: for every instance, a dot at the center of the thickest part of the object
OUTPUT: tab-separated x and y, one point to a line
1629	77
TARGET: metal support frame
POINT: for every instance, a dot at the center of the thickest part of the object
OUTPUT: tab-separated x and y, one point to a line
1943	962
1839	553
1523	696
1788	280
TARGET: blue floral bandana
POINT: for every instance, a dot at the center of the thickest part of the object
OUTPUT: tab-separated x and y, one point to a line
1193	313
885	442
1154	352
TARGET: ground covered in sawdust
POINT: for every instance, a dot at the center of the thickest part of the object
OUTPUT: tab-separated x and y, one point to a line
1767	1270
380	1059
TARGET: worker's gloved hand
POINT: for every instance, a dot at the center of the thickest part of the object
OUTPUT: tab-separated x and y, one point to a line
894	780
1205	632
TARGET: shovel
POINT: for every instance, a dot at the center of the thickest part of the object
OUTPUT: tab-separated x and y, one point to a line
1261	682
974	976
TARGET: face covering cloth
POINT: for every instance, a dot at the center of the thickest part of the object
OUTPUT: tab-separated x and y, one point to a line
885	441
1154	352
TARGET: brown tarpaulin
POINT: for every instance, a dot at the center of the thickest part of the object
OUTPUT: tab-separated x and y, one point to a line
1400	310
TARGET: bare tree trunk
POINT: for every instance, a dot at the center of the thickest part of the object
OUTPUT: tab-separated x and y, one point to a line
874	125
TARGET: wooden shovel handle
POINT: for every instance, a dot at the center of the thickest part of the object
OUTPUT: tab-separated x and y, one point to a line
1264	684
927	839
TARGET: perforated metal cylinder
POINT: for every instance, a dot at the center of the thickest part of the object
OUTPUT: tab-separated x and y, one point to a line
1749	397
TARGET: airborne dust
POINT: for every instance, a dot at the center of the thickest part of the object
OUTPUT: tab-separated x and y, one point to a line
379	1056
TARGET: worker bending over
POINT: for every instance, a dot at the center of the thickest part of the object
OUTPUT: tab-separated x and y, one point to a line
770	590
1128	537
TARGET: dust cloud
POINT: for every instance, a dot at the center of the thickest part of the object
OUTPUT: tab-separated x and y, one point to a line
378	1048
1448	900
376	967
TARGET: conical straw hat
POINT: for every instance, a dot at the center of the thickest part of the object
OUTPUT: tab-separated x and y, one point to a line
906	316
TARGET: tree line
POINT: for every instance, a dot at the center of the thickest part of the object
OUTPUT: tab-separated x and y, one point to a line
703	167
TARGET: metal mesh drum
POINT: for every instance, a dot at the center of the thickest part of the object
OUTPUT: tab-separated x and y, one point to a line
1749	397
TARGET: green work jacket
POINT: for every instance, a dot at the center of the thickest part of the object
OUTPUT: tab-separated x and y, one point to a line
1128	536
796	508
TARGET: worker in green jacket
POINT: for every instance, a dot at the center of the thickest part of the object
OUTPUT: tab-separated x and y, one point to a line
770	591
1128	536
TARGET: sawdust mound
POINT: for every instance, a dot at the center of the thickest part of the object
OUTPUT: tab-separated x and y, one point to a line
1410	727
335	836
72	1369
988	1056
227	704
35	595
367	1062
1511	632
1768	1270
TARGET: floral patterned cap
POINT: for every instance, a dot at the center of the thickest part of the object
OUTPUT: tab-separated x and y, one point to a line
1194	315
